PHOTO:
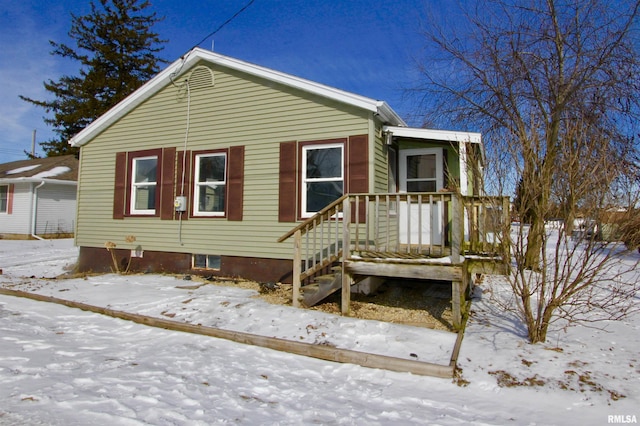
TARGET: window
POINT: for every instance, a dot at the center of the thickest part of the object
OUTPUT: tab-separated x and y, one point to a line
210	184
144	179
420	170
143	183
206	261
322	176
4	198
313	174
146	183
421	173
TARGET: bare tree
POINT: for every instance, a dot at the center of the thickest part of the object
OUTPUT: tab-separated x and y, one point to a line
580	270
553	85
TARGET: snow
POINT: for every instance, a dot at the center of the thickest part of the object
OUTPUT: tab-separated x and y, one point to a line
56	171
22	169
64	366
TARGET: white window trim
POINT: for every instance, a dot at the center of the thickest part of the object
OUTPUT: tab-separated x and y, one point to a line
197	184
420	151
305	148
134	165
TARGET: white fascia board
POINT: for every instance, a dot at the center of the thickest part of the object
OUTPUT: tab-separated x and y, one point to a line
439	135
388	115
36	180
177	68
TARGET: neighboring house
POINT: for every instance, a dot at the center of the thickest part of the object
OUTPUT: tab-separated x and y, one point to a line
38	197
204	168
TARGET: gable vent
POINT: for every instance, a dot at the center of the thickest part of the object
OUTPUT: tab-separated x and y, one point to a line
201	78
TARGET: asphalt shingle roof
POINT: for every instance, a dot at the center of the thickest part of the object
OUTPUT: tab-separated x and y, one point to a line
64	167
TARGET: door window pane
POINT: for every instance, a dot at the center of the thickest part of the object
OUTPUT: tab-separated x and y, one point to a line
421	173
421	166
421	186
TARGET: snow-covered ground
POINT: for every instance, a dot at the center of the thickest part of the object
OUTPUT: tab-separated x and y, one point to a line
64	366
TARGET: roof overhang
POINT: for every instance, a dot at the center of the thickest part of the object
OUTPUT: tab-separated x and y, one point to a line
37	180
438	135
182	65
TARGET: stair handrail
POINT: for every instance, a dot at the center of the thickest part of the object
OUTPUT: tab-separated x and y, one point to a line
304	225
297	232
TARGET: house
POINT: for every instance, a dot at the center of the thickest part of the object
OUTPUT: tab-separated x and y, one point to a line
38	197
213	165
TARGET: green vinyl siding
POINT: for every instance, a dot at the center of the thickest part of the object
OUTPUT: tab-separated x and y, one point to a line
238	110
380	164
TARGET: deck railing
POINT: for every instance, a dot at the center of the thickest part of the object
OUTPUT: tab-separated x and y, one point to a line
410	224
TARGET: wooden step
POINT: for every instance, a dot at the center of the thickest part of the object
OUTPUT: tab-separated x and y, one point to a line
325	285
324	278
309	288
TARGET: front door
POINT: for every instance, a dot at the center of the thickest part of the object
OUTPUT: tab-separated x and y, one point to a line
420	170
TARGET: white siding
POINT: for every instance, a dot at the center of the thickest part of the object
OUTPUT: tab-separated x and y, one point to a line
56	209
18	222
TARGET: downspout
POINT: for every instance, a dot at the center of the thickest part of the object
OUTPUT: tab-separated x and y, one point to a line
34	211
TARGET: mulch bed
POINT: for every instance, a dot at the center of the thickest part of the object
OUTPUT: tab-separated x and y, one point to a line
410	302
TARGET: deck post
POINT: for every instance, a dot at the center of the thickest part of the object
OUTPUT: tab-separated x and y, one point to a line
297	265
456	308
457	228
459	293
346	249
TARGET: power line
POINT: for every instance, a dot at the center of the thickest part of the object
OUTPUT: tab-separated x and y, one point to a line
184	58
224	23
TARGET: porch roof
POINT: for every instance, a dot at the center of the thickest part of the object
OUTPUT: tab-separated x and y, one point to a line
438	135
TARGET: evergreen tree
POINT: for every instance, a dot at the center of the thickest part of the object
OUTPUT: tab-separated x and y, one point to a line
116	49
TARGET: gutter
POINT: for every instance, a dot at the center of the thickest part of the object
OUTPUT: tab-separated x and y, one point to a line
34	211
37	180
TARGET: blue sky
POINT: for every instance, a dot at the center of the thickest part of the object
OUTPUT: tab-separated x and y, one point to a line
365	47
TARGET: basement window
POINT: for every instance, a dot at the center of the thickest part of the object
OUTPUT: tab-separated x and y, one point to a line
206	261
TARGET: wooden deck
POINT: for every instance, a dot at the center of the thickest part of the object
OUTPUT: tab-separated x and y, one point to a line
367	235
403	265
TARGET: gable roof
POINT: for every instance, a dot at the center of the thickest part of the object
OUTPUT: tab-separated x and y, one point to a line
60	169
182	65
